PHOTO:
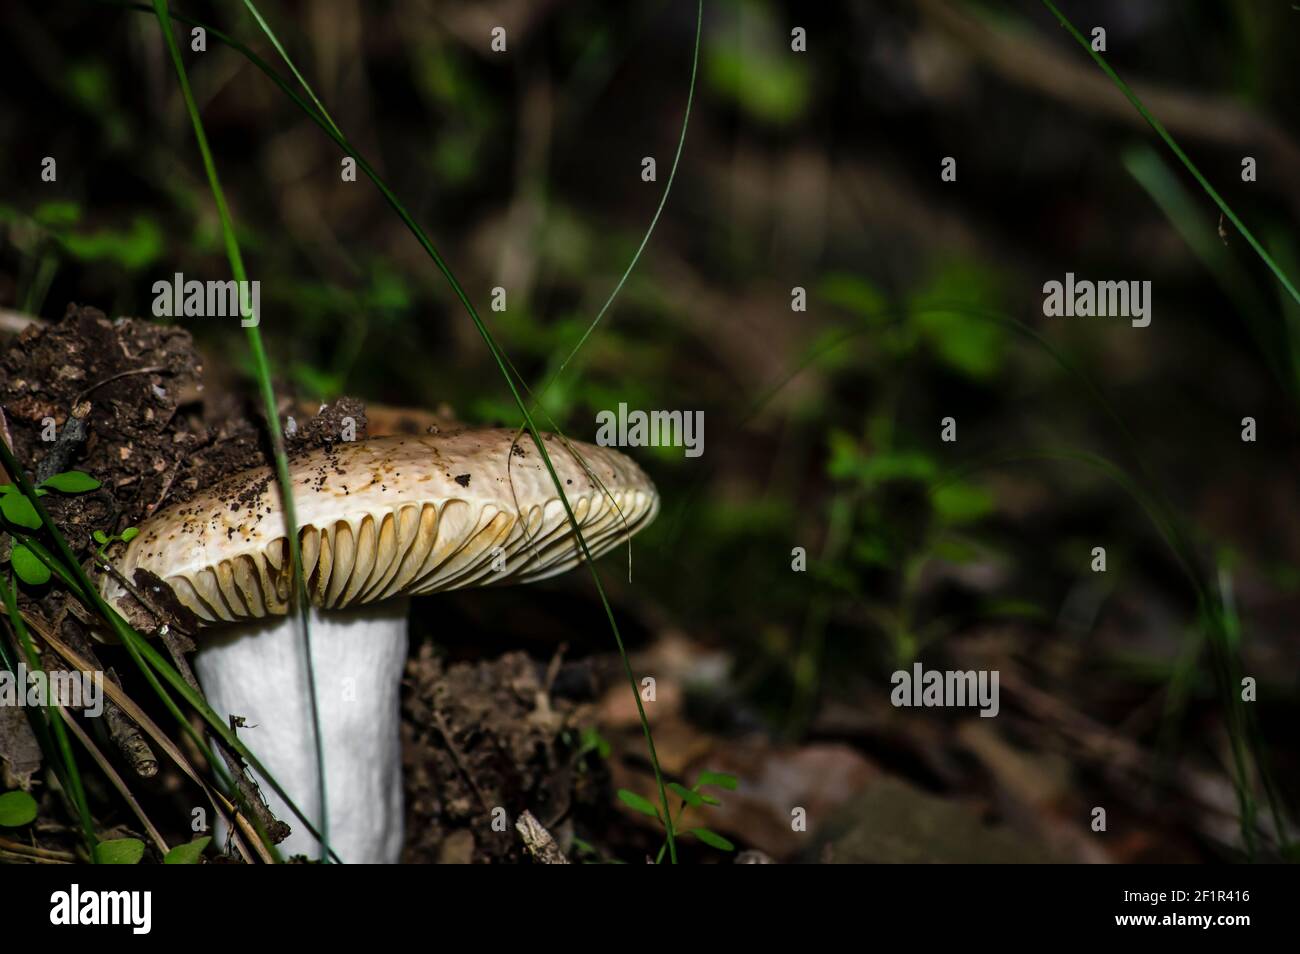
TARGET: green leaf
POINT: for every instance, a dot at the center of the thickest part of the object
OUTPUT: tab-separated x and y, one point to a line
685	794
593	741
873	550
91	84
71	482
133	249
959	336
852	293
28	566
129	534
770	86
19	510
709	799
717	780
100	537
963	341
57	214
962	503
848	461
16	808
120	851
712	839
635	802
188	854
957	551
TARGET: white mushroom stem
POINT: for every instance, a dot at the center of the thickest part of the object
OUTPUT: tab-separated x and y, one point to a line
258	670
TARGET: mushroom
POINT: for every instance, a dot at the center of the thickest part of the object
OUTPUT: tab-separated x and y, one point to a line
379	521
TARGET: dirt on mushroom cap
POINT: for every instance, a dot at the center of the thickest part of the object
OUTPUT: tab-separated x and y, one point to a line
390	515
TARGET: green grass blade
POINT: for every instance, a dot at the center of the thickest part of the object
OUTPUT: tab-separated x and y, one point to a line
1212	603
1273	339
1176	149
268	399
279	48
499	359
66	764
645	240
69	569
1223	641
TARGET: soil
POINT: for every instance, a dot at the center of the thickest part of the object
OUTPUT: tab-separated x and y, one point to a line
483	741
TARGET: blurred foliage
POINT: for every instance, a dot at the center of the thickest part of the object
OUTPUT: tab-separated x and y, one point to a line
817	170
752	67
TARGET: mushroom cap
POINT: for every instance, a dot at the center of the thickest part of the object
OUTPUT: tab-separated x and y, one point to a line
390	516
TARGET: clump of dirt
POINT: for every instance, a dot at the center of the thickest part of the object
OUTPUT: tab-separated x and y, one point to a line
329	425
484	740
150	438
132	375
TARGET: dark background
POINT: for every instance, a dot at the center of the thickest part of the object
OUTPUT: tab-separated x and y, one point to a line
822	429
